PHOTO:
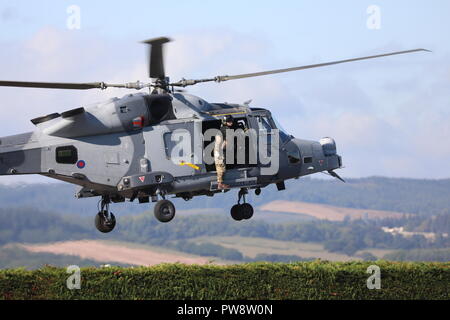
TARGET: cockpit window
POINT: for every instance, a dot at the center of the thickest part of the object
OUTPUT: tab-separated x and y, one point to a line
267	124
284	137
263	123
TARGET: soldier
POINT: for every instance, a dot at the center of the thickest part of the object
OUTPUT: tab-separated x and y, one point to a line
220	144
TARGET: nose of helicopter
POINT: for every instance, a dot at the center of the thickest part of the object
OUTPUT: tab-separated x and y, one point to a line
294	151
306	157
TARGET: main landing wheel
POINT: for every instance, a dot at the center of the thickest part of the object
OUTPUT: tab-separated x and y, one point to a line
236	212
105	222
242	211
164	211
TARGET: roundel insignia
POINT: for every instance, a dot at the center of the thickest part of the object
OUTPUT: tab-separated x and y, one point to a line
81	164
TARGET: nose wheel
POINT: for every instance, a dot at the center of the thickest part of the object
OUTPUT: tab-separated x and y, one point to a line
105	221
242	211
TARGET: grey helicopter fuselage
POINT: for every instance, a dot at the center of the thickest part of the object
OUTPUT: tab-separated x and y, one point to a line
121	149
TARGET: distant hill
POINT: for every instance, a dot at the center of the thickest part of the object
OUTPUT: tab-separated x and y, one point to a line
122	253
19	225
15	256
425	197
53	197
22	225
327	212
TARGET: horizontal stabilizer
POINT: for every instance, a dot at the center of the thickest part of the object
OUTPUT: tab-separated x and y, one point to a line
46	118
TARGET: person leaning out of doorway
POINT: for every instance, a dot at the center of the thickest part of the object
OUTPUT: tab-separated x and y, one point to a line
220	151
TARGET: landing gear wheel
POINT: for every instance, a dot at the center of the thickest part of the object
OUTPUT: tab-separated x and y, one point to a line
236	212
242	211
105	223
246	210
164	211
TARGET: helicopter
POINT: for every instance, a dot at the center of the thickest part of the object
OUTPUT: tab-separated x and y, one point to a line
128	148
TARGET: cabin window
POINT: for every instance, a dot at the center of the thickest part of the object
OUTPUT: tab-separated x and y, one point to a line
307	160
66	155
168	144
177	145
294	156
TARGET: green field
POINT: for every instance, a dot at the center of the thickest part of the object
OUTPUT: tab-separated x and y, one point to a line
251	247
305	280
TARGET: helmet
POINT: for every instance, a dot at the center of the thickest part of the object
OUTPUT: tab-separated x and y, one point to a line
229	118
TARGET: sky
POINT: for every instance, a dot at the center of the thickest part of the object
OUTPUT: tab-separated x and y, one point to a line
389	117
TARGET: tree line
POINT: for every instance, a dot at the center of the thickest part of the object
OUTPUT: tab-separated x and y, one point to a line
29	225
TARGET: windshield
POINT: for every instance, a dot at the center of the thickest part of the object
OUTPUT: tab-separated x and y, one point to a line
283	134
263	123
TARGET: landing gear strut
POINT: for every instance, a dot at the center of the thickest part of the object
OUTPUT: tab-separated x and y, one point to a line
105	221
242	211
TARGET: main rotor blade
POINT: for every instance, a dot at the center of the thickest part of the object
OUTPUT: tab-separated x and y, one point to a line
264	73
257	74
72	85
53	85
156	58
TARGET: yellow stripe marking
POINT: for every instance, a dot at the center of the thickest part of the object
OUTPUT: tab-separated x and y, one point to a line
193	166
228	114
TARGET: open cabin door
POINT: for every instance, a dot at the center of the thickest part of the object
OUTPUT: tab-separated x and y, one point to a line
241	151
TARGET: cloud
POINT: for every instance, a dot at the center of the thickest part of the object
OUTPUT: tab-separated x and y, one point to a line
8	14
207	54
55	55
389	120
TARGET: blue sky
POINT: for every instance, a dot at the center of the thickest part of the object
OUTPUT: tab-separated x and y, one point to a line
322	25
390	117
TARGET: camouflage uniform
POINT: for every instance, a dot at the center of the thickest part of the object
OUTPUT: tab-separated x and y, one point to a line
219	157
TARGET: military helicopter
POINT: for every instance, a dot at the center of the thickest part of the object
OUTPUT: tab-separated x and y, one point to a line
124	149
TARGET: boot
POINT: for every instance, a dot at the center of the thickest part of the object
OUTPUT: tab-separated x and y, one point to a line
222	186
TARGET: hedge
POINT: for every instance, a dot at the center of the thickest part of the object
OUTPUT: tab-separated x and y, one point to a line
252	281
